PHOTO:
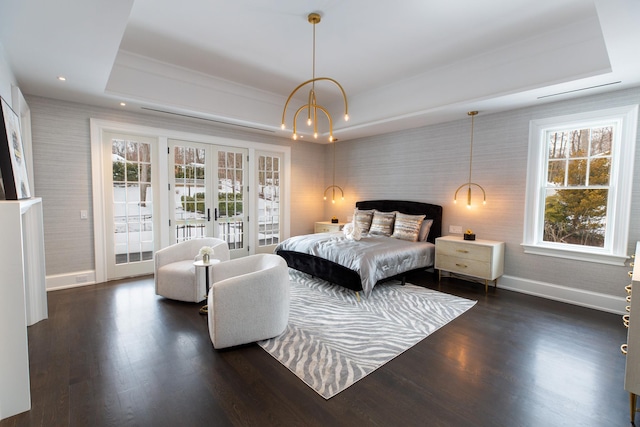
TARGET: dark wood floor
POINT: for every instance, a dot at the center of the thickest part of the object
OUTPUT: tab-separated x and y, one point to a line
117	355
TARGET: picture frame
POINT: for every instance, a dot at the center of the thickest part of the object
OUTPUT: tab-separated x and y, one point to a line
13	165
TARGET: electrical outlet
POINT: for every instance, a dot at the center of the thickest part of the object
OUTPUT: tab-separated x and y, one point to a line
455	229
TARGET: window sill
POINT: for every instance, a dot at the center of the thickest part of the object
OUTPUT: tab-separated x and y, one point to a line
599	257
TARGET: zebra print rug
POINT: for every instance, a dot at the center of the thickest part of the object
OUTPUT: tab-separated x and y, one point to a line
334	340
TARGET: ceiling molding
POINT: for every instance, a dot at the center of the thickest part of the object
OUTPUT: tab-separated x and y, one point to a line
446	60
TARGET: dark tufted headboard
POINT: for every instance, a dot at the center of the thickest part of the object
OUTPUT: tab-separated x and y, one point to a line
433	212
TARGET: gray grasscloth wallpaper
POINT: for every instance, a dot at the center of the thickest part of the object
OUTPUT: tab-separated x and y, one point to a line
428	164
424	164
62	164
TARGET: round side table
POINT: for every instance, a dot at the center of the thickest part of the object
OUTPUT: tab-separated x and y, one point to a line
205	265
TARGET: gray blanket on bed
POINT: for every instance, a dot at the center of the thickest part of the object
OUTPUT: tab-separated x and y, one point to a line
373	257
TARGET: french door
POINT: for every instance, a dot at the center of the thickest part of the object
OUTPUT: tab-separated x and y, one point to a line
143	201
129	209
208	187
269	174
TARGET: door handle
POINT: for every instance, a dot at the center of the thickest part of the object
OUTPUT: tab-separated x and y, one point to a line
215	214
208	214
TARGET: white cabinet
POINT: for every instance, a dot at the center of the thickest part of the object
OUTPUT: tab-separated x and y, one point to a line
23	297
328	226
632	347
482	259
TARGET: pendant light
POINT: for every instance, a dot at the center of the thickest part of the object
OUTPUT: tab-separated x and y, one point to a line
469	183
333	185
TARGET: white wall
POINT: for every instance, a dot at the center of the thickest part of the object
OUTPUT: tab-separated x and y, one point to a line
429	163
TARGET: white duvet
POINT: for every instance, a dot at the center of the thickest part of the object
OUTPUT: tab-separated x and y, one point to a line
373	257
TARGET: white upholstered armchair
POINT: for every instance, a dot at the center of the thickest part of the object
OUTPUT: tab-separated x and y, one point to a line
175	275
248	300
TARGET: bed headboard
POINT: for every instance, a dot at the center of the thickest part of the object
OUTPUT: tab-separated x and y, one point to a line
433	212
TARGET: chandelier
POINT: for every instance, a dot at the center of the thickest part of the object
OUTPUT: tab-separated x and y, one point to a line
313	109
468	184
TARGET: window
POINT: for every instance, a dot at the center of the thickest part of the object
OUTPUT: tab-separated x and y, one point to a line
579	185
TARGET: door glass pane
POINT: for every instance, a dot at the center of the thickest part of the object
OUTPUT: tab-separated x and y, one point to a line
230	221
268	201
189	192
132	202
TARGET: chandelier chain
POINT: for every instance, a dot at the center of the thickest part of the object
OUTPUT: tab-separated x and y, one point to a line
473	115
313	60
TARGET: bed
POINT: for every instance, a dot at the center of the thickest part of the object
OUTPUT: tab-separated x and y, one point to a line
323	254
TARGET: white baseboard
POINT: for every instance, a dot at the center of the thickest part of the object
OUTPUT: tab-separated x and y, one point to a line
595	300
71	280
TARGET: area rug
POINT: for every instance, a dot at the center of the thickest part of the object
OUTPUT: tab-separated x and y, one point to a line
334	340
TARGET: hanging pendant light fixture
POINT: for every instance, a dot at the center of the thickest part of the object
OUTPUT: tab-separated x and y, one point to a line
468	184
312	107
333	185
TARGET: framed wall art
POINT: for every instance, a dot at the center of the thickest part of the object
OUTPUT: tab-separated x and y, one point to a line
13	164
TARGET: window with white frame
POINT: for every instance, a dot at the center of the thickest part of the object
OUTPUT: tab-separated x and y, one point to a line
579	177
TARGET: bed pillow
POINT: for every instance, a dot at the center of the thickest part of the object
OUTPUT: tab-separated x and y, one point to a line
363	219
382	223
407	227
424	230
351	231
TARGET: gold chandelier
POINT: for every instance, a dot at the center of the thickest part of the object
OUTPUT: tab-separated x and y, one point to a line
468	184
312	107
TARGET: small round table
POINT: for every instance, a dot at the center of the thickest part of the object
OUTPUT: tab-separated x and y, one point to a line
206	265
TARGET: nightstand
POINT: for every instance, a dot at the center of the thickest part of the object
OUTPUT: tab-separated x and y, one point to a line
481	259
328	226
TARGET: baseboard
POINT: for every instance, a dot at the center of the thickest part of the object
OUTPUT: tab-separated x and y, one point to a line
595	300
71	280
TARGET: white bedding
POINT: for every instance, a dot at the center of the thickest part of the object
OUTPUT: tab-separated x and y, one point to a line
373	257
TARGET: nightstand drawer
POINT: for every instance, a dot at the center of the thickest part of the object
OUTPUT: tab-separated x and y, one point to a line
328	227
469	267
464	251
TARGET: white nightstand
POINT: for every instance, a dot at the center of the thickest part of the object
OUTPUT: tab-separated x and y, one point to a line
482	259
328	226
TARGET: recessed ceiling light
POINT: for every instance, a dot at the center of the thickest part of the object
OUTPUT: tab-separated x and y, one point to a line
123	104
62	78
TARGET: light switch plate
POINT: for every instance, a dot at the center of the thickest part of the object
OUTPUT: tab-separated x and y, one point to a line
455	229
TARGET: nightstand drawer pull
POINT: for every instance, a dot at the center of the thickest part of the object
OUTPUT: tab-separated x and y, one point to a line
461	265
462	251
625	320
628	289
623	349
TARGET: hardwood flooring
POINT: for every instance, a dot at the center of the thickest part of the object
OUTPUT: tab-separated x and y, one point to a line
116	354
